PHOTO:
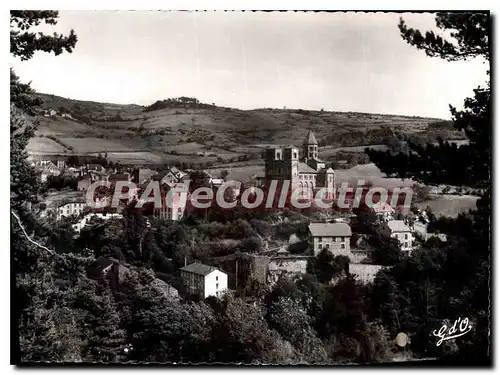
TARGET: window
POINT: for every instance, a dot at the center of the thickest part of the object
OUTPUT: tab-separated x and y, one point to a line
338	239
342	245
295	155
320	239
216	278
217	286
278	155
406	236
320	246
327	246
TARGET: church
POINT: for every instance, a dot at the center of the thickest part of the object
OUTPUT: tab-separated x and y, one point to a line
302	167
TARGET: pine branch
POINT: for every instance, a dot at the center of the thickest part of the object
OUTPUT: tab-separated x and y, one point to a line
52	252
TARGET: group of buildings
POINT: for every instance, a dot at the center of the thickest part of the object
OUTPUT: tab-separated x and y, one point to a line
336	237
301	166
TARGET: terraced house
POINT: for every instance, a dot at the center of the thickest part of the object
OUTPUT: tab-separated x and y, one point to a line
335	237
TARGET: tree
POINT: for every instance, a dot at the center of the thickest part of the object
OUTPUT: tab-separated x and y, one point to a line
445	162
24	43
326	266
25	184
241	334
288	317
386	251
467	165
24	181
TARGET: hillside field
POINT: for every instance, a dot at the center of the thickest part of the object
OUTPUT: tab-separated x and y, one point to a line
207	131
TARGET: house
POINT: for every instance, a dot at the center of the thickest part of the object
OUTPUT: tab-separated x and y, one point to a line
100	268
71	172
421	229
84	183
87	218
108	268
47	169
61	164
141	175
203	280
114	178
71	208
173	203
131	190
383	211
399	230
216	182
166	289
335	237
95	167
116	273
169	176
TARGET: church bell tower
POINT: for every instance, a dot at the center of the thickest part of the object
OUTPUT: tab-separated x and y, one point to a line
310	147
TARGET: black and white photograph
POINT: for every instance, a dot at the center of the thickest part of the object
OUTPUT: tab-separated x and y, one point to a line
245	188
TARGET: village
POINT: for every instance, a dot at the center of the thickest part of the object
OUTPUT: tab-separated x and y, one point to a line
250	187
331	231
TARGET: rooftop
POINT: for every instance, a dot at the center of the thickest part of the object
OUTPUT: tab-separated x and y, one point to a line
382	207
330	229
199	268
304	168
310	139
398	226
119	177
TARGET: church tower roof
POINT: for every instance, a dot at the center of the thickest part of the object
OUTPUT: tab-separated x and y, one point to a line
310	139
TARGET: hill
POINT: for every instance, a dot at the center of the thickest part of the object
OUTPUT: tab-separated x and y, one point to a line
176	129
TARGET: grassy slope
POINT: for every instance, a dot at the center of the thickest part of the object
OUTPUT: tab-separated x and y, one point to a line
100	127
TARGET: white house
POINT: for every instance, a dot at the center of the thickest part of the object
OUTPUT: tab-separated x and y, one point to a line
399	230
203	280
83	222
174	202
335	237
70	209
383	210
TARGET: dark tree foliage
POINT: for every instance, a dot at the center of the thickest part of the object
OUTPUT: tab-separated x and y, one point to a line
447	280
24	182
326	266
470	164
386	250
24	43
470	32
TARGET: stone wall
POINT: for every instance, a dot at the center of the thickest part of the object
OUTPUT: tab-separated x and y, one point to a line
290	266
365	273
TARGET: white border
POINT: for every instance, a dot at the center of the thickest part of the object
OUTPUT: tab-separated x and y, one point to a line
191	5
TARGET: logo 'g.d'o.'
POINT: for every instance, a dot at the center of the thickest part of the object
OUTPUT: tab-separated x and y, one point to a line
462	326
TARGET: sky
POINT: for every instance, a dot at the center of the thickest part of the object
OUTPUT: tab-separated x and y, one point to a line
336	61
